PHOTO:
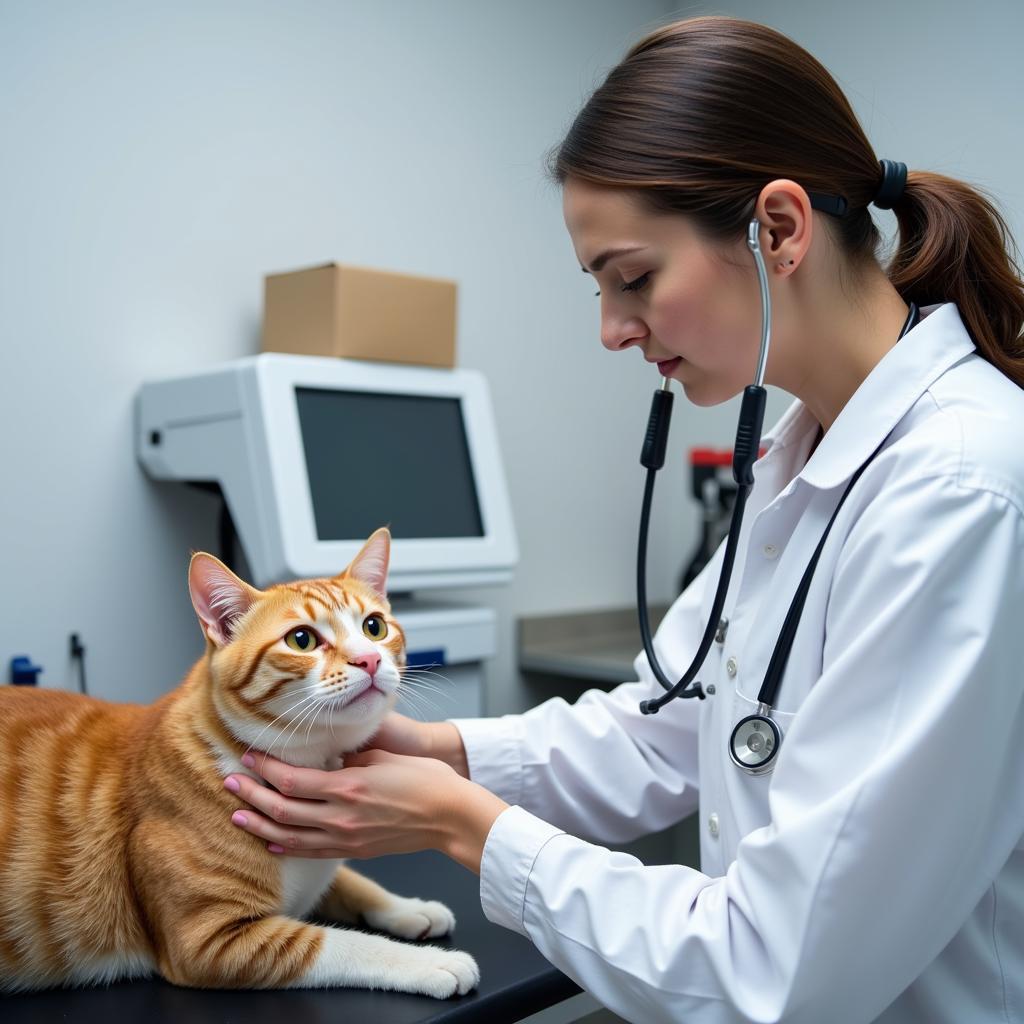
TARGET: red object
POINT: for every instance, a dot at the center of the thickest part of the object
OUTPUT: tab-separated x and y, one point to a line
710	456
715	456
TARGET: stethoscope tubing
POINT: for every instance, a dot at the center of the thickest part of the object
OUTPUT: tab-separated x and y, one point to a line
745	451
754	245
756	739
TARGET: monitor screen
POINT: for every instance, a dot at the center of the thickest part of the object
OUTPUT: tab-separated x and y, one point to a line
377	459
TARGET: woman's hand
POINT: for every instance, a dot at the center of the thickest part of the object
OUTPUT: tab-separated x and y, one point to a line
379	803
402	735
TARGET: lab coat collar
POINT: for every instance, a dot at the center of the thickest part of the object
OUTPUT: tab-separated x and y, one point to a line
899	379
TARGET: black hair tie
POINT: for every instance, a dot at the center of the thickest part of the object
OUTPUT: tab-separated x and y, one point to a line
894	180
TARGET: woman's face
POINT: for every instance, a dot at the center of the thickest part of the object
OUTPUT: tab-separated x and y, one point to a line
687	304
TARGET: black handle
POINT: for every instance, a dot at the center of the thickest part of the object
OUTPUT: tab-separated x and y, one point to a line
748	435
656	439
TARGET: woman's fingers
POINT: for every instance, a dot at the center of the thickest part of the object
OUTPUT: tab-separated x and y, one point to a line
286	778
282	809
298	842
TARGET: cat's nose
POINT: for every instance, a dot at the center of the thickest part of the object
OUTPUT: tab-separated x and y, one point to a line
367	662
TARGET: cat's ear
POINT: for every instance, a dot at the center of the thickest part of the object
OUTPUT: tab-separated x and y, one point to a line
219	597
370	566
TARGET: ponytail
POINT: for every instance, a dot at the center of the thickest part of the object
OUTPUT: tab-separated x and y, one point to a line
954	245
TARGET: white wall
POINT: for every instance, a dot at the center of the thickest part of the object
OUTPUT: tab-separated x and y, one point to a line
159	159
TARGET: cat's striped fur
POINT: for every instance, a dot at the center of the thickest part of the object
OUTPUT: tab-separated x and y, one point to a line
119	857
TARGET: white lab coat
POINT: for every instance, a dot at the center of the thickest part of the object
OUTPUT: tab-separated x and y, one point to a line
879	871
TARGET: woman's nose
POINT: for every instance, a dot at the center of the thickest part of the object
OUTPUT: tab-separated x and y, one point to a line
618	334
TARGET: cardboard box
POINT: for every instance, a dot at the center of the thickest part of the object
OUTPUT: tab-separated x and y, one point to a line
338	310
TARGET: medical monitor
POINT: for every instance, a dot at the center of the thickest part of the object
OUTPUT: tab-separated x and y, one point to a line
313	454
422	439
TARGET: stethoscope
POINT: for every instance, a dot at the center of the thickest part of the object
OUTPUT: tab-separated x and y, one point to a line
755	741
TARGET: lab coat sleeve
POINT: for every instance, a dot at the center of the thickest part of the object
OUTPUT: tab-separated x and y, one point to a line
599	768
895	802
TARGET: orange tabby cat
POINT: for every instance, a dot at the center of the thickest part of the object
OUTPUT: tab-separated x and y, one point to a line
119	856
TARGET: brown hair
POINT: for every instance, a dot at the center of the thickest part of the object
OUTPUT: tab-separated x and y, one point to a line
701	114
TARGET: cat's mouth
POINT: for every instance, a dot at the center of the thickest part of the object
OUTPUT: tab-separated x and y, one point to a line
366	690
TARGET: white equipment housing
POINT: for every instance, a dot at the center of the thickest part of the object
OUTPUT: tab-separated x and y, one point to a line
313	454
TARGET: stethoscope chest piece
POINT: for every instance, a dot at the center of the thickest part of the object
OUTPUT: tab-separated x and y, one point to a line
755	743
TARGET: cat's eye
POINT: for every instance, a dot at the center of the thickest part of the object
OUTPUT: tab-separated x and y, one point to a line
375	627
302	639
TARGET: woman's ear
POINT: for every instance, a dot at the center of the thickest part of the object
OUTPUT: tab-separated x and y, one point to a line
784	210
219	597
370	566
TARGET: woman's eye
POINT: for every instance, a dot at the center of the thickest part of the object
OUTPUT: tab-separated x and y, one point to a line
375	627
302	640
633	286
636	284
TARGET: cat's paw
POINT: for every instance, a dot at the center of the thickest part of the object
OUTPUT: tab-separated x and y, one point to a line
443	973
411	918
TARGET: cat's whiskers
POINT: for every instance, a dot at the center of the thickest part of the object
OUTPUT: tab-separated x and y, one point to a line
417	701
426	683
288	711
424	670
324	702
422	684
420	673
281	748
310	713
419	713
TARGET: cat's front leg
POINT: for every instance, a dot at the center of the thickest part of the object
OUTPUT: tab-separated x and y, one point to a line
373	961
278	952
353	897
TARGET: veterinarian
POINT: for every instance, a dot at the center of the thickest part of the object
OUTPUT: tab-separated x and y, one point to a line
855	735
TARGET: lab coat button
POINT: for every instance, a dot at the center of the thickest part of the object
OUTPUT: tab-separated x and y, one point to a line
770	551
732	667
713	825
710	689
723	628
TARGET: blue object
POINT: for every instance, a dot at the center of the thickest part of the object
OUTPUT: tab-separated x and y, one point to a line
23	672
425	659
